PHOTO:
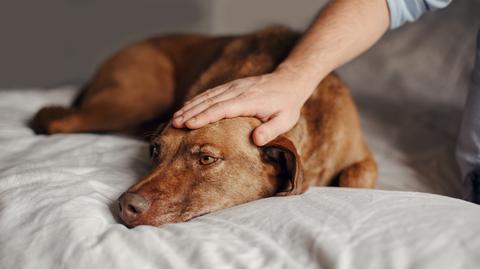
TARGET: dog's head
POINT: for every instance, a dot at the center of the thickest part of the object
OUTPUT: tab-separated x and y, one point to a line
199	171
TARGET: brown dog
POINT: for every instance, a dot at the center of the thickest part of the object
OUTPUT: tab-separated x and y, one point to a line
217	166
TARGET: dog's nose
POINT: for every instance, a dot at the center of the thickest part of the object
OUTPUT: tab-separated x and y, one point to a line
131	205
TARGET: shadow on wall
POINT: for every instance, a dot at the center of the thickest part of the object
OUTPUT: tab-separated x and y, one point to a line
412	85
51	42
423	68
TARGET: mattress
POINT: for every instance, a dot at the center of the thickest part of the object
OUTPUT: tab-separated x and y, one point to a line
58	197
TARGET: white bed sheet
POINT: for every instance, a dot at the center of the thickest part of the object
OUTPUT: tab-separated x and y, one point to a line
57	197
57	193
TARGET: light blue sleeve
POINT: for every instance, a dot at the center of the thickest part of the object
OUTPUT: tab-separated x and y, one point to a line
402	11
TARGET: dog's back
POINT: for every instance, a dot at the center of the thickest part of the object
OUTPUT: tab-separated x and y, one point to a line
149	80
328	135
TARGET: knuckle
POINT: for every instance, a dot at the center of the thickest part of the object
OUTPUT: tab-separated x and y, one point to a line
209	93
193	111
218	88
218	106
190	103
246	95
233	86
188	114
219	109
210	102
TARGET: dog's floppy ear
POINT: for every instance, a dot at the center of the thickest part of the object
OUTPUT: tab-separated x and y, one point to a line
283	153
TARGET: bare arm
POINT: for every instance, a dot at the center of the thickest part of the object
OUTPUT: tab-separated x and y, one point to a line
342	30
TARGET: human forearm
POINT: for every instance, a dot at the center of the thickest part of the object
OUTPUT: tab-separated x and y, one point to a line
343	30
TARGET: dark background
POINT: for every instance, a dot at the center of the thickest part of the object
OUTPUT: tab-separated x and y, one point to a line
53	42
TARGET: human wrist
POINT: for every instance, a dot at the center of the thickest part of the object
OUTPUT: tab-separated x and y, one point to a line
304	77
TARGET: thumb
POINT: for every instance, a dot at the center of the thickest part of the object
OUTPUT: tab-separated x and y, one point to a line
270	130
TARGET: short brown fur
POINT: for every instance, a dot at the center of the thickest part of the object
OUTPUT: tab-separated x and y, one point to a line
144	83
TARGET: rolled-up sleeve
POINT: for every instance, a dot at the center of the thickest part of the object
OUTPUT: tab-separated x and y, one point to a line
402	11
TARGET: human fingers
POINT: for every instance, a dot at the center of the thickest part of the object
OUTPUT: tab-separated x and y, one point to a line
274	127
231	108
195	110
201	98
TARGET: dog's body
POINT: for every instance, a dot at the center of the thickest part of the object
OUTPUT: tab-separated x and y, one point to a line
217	166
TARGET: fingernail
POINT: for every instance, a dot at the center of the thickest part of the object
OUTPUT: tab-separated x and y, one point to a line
190	122
260	139
178	119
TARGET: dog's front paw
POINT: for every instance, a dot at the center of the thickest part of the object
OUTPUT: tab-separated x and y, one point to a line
48	119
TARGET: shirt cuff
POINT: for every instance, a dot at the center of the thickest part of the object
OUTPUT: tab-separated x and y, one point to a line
402	11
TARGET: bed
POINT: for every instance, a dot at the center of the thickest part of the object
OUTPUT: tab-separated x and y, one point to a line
58	193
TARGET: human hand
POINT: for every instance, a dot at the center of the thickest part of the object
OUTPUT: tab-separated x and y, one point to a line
276	99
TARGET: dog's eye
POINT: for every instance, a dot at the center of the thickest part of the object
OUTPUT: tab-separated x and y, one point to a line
207	159
154	151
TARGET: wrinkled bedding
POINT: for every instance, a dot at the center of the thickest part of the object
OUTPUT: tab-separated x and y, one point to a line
58	193
57	210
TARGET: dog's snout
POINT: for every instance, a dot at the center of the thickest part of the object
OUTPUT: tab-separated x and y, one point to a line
131	205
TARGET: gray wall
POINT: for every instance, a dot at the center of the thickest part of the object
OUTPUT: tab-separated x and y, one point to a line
247	15
52	42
